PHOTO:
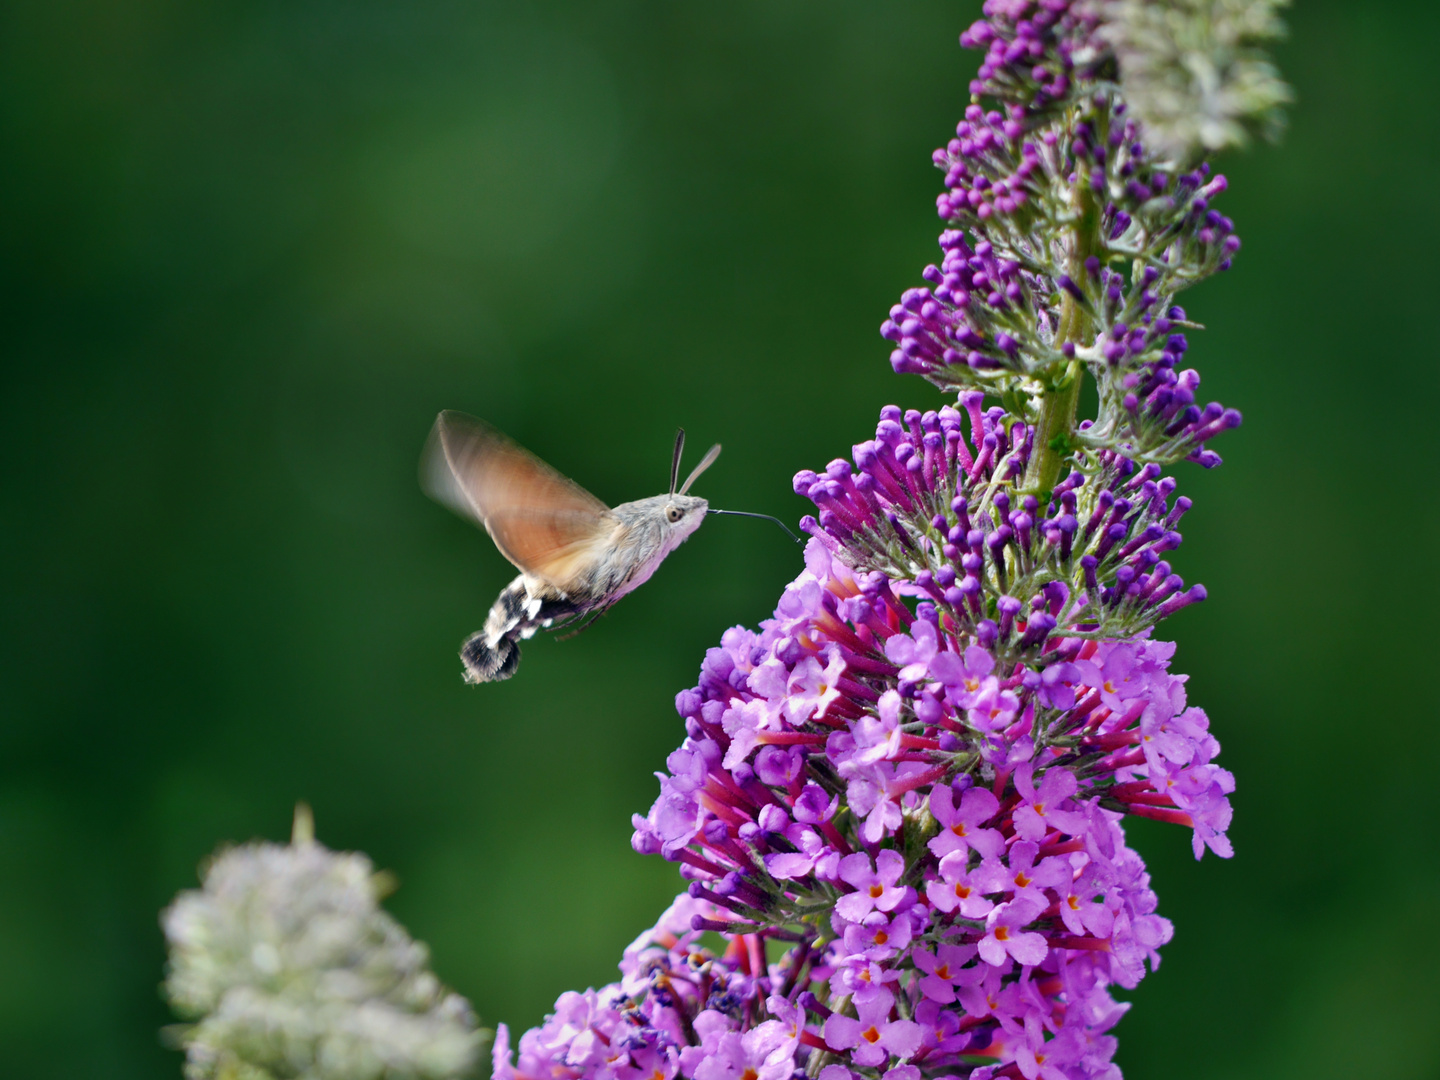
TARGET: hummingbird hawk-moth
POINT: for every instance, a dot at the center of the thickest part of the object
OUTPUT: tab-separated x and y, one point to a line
576	556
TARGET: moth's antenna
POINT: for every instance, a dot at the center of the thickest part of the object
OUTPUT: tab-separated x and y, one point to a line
747	513
675	461
705	463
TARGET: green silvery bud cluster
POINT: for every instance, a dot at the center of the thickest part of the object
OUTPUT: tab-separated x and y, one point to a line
289	968
1194	71
1079	211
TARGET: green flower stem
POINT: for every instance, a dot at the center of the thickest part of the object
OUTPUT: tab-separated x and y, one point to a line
1053	428
1055	424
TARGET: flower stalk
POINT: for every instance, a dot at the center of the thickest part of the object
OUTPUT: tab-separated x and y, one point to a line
901	800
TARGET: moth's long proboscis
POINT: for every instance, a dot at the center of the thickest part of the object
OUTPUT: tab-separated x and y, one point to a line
771	517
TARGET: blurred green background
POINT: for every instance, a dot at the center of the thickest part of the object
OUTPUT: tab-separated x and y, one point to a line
250	249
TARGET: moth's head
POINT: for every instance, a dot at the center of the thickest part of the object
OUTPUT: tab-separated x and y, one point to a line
683	514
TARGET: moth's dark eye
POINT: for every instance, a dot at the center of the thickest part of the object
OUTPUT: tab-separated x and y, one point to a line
674	514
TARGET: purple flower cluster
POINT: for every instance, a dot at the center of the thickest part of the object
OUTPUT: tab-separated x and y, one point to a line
986	316
1161	422
1010	310
1033	49
932	833
848	707
899	801
987	320
679	1009
927	506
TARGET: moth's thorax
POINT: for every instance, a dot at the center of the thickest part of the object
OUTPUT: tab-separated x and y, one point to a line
645	532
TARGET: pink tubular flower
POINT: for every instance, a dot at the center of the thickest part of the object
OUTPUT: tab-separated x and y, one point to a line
874	1037
944	969
960	825
875	887
991	708
1005	938
955	890
1041	810
812	688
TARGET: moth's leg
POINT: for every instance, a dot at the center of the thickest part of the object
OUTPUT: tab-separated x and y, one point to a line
588	619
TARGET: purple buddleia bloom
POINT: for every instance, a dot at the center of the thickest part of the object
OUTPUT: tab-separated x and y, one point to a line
864	979
876	937
873	1037
900	800
913	652
1057	686
1021	876
960	826
940	1027
991	708
962	675
812	855
945	969
1004	935
877	738
765	1052
1080	909
875	885
1040	1058
953	889
812	687
1041	808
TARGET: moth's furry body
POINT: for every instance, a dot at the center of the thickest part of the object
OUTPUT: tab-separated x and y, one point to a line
576	556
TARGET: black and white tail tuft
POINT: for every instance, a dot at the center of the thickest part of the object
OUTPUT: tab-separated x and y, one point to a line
493	653
489	663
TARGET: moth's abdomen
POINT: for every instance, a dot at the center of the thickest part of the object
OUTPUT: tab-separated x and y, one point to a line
493	653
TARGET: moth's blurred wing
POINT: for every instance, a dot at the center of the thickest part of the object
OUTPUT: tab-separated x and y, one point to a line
544	523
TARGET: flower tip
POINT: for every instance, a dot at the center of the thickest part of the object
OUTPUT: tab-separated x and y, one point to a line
302	829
